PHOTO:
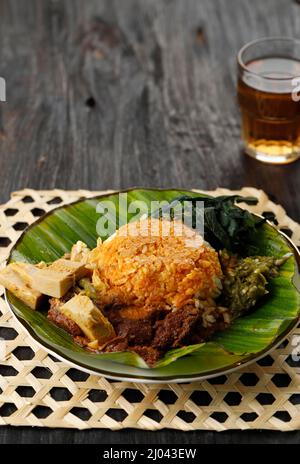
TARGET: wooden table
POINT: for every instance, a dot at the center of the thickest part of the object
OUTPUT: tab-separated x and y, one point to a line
112	94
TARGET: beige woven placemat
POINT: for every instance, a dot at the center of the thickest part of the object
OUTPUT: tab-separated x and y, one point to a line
37	390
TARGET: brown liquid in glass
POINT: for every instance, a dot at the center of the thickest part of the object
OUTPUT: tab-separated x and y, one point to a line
271	118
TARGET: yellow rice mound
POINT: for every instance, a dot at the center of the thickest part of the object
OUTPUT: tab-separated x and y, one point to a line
147	265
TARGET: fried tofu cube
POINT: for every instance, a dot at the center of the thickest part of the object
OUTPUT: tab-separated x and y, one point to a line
54	280
76	268
45	280
12	280
89	318
33	280
53	283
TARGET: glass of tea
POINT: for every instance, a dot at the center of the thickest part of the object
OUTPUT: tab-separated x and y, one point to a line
269	98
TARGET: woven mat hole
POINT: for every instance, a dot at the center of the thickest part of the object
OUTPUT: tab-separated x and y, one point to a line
37	212
23	353
295	398
10	211
186	416
4	242
201	398
284	416
287	231
53	358
25	391
117	414
7	409
60	394
283	345
153	414
249	379
233	398
8	333
27	199
41	412
218	380
167	396
266	361
270	216
292	362
77	376
265	398
81	413
249	416
132	395
20	225
7	371
220	417
97	396
54	201
281	380
41	372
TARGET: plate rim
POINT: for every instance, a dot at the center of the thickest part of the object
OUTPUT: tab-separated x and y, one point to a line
140	379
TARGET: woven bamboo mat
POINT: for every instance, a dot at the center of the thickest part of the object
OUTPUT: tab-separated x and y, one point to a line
38	390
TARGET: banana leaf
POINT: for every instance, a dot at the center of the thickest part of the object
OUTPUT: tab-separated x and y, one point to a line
247	339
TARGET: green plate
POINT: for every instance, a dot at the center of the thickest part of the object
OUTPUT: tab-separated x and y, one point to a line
248	339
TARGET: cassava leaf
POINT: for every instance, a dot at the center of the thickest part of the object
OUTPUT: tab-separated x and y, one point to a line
225	225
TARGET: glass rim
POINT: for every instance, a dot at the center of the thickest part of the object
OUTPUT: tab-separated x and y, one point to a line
242	64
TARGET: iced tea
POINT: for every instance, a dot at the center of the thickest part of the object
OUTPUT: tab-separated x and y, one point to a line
266	93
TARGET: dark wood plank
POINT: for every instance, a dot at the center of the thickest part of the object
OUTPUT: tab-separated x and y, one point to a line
132	437
111	94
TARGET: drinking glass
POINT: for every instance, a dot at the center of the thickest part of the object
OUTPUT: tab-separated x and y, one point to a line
269	99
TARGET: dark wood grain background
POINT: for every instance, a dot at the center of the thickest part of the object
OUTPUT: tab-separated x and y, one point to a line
112	94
